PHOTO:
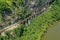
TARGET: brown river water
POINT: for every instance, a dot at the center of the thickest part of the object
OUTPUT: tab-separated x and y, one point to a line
53	33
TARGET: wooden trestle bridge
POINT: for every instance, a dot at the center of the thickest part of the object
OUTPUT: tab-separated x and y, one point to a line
27	20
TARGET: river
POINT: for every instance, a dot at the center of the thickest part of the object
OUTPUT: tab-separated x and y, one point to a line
53	33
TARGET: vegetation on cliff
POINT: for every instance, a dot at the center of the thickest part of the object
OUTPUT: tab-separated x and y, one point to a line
37	27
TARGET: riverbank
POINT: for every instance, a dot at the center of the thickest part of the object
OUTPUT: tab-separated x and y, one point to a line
53	24
50	26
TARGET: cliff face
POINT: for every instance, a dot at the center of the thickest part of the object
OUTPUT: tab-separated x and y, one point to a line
13	10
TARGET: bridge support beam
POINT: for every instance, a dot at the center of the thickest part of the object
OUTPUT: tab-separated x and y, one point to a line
26	23
29	22
32	17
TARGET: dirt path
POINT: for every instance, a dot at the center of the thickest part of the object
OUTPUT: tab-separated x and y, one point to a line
13	26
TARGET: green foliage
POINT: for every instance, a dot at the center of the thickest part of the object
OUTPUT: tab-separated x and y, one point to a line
35	30
19	30
57	2
2	5
13	10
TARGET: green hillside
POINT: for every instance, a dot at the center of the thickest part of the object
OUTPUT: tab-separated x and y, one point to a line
38	25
